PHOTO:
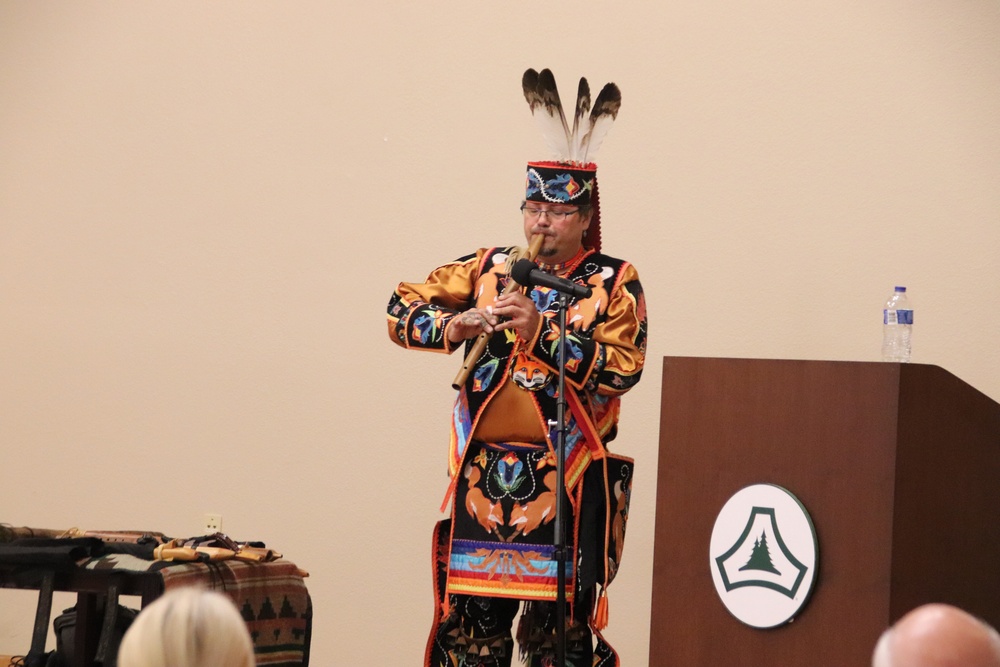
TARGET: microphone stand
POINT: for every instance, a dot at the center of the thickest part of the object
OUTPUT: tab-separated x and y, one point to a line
560	538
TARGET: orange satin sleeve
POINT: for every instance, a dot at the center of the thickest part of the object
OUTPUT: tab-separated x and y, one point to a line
419	313
619	333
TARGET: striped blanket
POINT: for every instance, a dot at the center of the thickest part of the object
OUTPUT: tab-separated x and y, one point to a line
272	598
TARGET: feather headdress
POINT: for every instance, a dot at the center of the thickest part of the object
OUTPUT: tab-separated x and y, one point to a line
571	178
580	143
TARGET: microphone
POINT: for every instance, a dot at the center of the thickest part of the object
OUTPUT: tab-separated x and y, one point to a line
525	272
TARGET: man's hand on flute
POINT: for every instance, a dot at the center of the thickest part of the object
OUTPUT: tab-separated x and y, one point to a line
512	310
517	312
471	323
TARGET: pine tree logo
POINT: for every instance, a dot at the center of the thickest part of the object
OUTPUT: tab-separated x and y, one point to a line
763	555
760	557
762	521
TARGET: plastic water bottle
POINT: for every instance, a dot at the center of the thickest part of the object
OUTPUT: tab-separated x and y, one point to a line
897	327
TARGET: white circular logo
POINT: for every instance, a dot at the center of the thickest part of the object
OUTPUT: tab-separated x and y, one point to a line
763	555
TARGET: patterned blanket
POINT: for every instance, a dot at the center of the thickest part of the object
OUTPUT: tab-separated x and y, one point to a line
271	596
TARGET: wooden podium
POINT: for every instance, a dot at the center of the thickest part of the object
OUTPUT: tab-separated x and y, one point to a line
897	464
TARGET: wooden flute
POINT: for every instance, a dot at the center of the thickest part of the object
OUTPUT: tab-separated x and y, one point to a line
534	247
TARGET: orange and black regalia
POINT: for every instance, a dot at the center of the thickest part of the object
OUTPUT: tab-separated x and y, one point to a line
497	547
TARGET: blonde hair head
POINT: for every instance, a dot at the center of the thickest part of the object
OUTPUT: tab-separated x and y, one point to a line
191	627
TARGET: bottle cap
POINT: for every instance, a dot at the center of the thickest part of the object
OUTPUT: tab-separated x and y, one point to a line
900	288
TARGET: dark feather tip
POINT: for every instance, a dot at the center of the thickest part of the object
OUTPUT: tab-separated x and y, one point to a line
529	83
582	97
609	100
547	87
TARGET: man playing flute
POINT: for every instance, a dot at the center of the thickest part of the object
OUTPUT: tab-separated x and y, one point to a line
496	551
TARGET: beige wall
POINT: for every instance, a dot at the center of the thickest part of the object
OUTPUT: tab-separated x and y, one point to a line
205	206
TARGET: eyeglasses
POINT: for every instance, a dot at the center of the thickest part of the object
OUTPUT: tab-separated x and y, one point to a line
555	216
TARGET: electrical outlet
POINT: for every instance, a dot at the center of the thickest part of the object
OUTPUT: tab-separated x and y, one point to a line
213	523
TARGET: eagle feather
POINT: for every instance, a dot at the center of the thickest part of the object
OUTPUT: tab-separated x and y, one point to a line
543	100
582	142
